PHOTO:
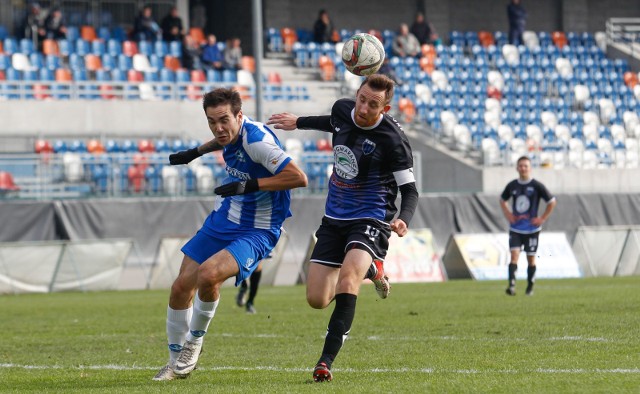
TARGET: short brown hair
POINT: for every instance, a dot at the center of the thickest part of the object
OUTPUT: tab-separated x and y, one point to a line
222	96
521	158
380	82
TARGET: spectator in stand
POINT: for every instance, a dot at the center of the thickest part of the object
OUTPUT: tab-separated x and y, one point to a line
144	27
198	14
422	29
32	26
55	25
405	44
171	25
517	20
387	70
191	54
323	28
212	57
233	54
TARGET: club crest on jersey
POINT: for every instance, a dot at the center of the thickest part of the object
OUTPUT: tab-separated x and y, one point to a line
240	156
344	162
368	147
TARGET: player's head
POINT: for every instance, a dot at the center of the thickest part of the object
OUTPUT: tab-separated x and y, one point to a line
223	108
373	99
523	165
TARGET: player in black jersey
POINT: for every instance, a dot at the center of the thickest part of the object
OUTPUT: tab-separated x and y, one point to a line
372	161
524	223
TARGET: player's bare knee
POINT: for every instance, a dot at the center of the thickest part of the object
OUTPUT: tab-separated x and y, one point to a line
317	301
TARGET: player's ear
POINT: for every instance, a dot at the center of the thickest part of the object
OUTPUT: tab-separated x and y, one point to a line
386	108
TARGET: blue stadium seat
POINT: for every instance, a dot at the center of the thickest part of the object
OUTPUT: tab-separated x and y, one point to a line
103	76
118	33
36	60
77	146
98	47
214	76
3	32
5	62
104	33
175	49
111	146
26	46
46	74
118	75
76	62
83	47
66	47
125	62
52	62
114	47
10	46
73	33
161	49
145	47
108	62
229	76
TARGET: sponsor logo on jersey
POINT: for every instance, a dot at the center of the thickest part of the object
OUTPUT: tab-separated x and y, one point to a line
345	163
238	174
522	204
368	147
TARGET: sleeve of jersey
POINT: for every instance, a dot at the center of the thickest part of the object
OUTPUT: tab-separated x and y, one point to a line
505	193
268	154
544	192
402	166
322	123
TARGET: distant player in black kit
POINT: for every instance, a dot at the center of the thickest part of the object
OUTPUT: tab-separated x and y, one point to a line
372	161
525	225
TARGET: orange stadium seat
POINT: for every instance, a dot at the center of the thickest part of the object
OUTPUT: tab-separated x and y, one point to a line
486	38
145	146
63	75
248	63
407	108
198	35
134	76
105	92
129	48
376	33
92	62
95	146
50	47
88	33
630	79
43	146
274	77
198	76
135	174
2	76
327	68
427	65
1	47
194	92
40	91
559	38
6	182
172	63
289	37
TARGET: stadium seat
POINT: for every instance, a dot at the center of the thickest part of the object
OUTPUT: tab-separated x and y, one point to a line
129	48
82	47
92	62
20	62
172	63
145	47
198	35
175	49
141	63
50	47
88	33
7	183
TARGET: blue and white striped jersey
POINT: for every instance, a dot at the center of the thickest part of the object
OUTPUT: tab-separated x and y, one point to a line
257	153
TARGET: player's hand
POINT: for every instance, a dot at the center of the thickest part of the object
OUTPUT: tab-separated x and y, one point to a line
235	188
399	227
537	221
283	121
184	156
511	218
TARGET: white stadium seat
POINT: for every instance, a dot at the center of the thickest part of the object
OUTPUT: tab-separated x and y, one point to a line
530	39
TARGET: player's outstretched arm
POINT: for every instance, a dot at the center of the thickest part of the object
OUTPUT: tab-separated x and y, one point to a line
288	121
290	177
187	156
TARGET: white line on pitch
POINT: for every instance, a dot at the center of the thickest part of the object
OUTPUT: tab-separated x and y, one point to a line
352	370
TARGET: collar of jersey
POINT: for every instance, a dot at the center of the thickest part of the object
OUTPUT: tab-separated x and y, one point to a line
520	181
353	112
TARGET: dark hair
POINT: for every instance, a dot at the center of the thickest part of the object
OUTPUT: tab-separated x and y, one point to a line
222	96
523	158
379	83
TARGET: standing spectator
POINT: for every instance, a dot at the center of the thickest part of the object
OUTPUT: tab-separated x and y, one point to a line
524	223
55	25
144	27
323	28
405	44
191	54
517	21
171	25
233	55
212	57
422	29
32	26
198	14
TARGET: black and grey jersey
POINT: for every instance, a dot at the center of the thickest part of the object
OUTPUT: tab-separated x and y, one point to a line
526	200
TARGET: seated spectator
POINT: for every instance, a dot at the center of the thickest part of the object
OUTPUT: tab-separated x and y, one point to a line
190	54
212	57
144	27
405	44
171	26
323	28
55	25
422	29
233	55
32	25
387	70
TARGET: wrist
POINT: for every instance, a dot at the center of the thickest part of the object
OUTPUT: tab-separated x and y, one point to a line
251	185
194	153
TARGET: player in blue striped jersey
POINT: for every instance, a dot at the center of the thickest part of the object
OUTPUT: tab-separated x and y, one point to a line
524	223
372	162
251	205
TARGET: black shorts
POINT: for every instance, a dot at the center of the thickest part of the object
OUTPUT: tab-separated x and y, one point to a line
529	241
337	237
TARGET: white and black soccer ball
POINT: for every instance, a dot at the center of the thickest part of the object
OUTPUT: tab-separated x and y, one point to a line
363	54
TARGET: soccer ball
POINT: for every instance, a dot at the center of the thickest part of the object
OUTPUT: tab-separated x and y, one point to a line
362	54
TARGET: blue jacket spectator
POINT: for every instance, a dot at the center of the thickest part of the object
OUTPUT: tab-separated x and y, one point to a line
212	57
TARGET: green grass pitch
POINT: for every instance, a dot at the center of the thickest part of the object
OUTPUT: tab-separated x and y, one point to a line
572	336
